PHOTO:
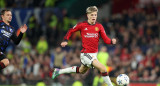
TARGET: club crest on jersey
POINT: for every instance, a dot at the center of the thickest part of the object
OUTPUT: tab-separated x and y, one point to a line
96	28
11	30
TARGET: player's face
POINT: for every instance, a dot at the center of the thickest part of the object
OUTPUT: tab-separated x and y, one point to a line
92	17
7	17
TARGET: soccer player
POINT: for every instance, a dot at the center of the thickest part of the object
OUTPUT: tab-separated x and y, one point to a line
8	33
90	33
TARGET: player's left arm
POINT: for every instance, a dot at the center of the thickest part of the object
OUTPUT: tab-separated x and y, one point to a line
105	38
16	37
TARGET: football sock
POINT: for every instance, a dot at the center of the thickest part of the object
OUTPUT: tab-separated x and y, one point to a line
106	78
2	65
73	69
50	72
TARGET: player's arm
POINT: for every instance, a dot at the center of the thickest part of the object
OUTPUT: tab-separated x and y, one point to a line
105	38
69	33
17	37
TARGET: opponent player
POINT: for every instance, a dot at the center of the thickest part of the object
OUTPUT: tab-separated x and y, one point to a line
8	33
90	33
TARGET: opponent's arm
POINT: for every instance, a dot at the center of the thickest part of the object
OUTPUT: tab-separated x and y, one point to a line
16	39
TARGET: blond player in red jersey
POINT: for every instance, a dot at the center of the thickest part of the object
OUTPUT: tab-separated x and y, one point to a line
90	33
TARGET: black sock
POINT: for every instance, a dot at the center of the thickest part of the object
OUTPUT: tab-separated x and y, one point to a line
104	74
77	69
2	65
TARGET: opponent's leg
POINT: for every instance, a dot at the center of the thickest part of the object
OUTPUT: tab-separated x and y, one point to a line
103	71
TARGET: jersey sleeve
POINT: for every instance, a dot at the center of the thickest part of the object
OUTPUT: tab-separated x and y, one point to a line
17	37
71	31
105	38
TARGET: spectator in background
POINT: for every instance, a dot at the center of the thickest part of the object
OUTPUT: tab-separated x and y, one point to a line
158	83
26	45
2	4
156	47
125	55
42	45
52	31
103	57
10	54
34	27
58	57
50	3
4	80
41	84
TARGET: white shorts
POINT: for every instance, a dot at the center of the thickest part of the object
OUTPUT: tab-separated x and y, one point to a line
87	58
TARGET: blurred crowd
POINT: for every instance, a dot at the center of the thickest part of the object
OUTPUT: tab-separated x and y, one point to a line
28	3
136	54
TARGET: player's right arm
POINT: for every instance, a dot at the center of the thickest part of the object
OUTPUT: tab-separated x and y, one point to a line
69	33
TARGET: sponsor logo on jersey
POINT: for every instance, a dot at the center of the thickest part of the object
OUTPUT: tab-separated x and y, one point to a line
5	33
96	28
91	35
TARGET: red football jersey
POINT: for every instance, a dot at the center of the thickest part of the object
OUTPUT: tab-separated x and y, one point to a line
90	36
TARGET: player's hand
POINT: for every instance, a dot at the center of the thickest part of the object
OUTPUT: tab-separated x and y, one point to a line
63	44
114	41
23	28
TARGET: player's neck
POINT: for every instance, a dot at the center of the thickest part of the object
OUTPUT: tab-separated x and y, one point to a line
91	23
6	22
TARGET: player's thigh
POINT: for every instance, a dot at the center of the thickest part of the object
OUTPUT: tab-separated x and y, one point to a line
99	66
83	68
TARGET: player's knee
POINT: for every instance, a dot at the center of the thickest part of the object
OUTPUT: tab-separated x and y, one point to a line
103	69
6	62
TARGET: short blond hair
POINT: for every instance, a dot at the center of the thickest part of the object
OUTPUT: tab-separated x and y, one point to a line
91	9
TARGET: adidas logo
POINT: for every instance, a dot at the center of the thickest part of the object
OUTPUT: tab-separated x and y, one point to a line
85	29
3	27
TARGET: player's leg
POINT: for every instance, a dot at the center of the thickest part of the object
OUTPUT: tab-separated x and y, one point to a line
3	61
103	71
56	71
83	69
74	69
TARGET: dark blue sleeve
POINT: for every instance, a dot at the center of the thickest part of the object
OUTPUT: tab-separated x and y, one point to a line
16	39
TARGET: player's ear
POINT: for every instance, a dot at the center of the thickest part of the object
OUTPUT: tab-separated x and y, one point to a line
1	16
87	15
